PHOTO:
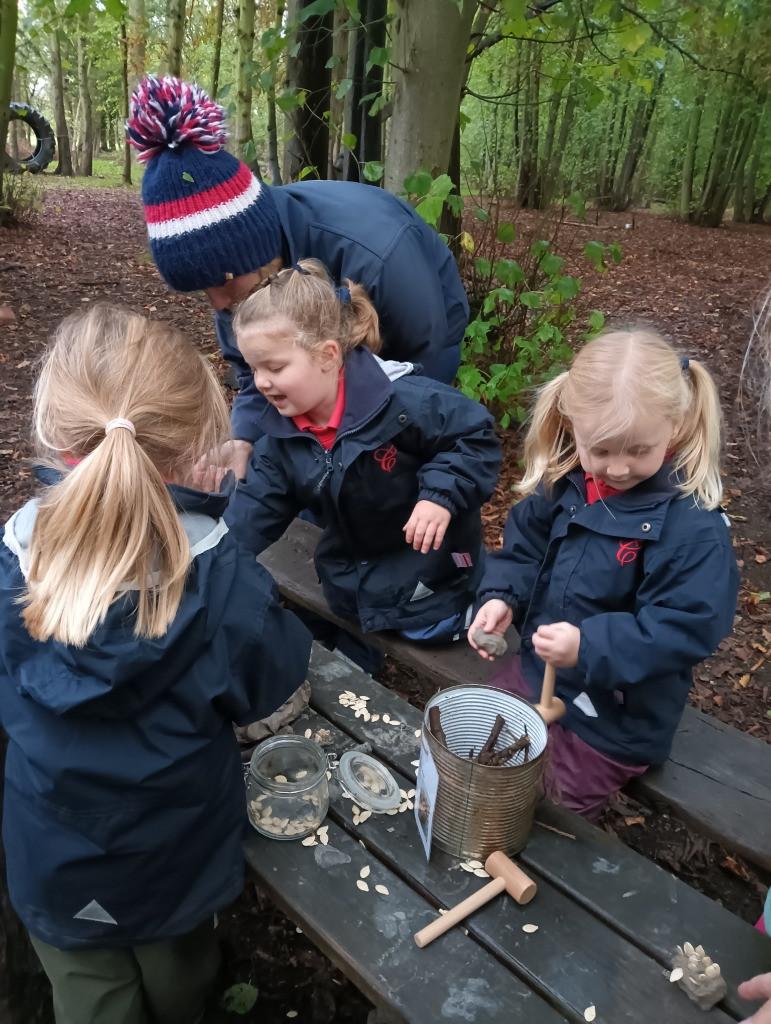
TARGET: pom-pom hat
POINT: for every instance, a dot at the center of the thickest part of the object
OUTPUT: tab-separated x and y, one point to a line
208	218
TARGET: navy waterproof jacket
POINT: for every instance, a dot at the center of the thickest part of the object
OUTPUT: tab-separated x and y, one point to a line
651	581
124	793
373	238
398	442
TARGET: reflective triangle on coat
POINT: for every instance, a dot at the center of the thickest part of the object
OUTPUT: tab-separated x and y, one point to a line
93	911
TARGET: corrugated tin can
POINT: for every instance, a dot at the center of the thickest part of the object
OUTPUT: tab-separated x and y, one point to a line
480	808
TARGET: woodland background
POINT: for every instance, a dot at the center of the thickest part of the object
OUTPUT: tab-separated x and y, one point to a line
590	162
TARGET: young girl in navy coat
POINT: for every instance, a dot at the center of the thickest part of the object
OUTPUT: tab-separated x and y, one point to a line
133	633
617	568
397	470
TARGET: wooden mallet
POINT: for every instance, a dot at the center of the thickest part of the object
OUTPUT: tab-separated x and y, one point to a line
505	875
549	707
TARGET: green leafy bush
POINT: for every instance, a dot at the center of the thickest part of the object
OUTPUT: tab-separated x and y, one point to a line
523	305
22	198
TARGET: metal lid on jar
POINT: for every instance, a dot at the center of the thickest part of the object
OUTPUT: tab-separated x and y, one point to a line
368	781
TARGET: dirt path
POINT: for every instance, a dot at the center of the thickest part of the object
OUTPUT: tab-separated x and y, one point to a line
696	286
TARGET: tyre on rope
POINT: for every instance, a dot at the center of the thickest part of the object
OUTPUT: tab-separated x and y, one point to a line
45	141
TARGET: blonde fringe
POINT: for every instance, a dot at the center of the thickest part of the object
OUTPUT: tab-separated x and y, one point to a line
110	527
648	372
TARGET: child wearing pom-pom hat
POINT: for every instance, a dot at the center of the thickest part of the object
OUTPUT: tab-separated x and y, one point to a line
214	227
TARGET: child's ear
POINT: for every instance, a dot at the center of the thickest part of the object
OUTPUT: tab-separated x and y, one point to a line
329	356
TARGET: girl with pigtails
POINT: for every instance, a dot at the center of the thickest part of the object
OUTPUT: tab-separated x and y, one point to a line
133	633
616	566
396	466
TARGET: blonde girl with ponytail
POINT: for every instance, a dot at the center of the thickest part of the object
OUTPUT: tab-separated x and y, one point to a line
395	466
133	633
617	566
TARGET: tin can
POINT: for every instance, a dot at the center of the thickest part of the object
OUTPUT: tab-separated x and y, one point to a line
482	808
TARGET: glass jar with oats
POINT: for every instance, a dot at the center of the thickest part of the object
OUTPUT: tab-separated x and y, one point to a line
287	790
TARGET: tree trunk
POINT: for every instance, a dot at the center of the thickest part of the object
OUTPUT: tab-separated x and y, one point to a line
136	28
126	176
621	197
175	36
307	71
689	161
64	166
85	149
244	138
215	67
429	68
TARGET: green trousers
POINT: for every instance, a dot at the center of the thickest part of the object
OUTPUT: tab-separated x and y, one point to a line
160	983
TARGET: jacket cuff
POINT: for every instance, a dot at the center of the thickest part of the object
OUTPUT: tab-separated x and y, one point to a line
497	595
439	499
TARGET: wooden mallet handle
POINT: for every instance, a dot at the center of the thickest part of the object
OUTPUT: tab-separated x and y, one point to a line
512	880
549	707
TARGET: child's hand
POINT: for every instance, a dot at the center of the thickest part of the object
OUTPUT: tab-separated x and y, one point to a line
493	617
427	526
558	644
758	987
208	472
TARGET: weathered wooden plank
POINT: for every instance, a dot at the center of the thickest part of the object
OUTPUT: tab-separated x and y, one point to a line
369	936
637	898
574	959
717	779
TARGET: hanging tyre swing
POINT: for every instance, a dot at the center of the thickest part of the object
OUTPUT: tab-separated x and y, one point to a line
45	141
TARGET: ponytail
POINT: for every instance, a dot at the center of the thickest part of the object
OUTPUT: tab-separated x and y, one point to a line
364	327
697	442
550	450
109	529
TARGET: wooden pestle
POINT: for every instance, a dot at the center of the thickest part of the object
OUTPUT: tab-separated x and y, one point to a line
549	707
505	875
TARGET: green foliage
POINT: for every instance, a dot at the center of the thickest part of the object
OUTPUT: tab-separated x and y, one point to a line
240	998
22	198
524	309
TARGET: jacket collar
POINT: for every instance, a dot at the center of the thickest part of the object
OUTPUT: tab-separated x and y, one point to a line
639	512
367	391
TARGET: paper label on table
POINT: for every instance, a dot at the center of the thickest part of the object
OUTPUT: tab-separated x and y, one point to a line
426	789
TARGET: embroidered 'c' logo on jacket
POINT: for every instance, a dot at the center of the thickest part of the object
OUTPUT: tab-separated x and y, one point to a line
386	457
627	551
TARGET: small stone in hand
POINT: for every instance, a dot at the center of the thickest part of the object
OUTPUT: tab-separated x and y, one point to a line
493	643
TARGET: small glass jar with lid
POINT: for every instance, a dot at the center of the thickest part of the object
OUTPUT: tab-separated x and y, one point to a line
287	791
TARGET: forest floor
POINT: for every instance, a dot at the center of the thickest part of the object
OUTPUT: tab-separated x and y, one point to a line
697	286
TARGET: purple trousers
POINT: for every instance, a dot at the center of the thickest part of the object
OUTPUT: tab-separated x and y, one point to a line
576	775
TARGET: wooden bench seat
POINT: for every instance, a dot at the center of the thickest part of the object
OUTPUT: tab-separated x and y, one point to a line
607	919
717	778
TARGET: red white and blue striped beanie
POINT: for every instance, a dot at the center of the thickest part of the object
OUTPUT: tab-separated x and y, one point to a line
208	218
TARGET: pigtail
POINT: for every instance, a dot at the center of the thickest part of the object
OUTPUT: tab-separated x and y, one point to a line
363	318
549	448
110	526
697	442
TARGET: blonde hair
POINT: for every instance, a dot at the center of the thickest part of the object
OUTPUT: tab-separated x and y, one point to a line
309	301
110	526
613	380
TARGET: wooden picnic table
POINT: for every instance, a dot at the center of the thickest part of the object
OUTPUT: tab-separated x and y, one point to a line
608	919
